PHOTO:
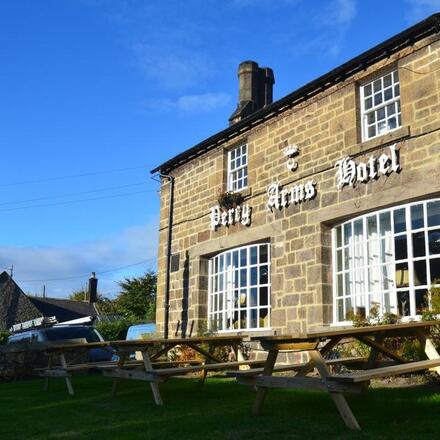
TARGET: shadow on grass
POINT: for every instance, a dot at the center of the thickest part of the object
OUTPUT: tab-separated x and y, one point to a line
220	410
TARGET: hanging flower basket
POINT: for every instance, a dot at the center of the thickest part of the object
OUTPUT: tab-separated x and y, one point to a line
229	199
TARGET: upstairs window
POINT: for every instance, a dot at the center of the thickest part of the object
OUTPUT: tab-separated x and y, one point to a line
380	106
238	168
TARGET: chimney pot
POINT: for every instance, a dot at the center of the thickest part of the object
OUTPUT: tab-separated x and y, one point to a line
255	89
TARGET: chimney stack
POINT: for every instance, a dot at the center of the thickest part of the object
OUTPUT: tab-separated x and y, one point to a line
93	289
255	89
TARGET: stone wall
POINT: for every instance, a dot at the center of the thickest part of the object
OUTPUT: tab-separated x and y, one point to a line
326	128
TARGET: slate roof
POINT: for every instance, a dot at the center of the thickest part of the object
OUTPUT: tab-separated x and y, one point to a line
15	306
408	37
63	309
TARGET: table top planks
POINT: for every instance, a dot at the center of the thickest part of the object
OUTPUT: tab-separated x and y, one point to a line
347	332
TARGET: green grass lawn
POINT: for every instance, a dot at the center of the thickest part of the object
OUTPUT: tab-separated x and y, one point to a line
219	410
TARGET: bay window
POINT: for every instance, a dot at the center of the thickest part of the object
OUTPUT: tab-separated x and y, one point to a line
239	289
388	259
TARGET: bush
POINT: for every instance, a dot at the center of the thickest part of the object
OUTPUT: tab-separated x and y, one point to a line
115	330
4	337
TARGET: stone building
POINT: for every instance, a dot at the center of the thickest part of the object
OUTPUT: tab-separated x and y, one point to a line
340	199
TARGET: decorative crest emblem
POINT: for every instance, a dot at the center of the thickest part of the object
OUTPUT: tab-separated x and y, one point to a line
290	152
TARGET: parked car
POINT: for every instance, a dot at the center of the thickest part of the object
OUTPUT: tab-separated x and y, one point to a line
58	333
136	331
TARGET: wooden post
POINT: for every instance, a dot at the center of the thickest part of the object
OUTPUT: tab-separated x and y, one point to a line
68	381
338	398
429	349
261	391
49	366
121	362
154	385
372	358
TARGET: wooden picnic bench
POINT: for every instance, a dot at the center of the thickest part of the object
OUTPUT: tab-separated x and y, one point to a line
320	344
152	349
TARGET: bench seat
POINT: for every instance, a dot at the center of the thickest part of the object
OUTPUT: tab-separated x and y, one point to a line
297	367
206	367
375	373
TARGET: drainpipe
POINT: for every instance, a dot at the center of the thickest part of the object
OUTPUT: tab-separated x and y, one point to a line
168	264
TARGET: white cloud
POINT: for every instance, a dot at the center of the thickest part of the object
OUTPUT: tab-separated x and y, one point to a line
204	102
172	66
420	9
131	245
344	11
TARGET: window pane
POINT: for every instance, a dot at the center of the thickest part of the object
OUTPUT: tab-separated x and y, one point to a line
401	248
243	257
263	253
381	114
403	303
264	297
372	226
420	273
339	286
368	103
433	213
253	319
387	79
254	276
254	254
417	216
243	277
339	260
347	233
434	241
338	237
358	230
385	223
254	297
264	275
418	242
402	275
386	250
434	267
264	318
388	94
399	220
340	314
421	301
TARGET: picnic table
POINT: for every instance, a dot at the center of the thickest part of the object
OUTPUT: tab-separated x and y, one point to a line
155	372
319	344
150	367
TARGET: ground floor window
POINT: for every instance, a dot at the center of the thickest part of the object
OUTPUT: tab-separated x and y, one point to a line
239	289
387	259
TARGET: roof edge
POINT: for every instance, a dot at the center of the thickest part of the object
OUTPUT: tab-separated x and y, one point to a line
383	50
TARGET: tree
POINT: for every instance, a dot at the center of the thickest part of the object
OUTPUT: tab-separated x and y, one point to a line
137	298
79	295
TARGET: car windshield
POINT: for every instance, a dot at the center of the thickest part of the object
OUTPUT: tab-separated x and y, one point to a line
60	333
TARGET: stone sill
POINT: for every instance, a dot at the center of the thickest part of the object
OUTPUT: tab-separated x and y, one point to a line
372	144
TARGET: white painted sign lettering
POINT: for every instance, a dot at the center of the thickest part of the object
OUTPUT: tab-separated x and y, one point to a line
349	172
228	217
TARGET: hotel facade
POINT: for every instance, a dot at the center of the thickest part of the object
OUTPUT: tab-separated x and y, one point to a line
311	208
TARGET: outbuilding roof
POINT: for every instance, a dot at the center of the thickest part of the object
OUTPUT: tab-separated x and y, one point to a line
423	29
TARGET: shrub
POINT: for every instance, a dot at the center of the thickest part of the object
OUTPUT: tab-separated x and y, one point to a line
114	330
4	337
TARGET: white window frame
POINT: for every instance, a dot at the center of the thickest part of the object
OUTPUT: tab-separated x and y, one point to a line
394	101
226	305
240	154
361	272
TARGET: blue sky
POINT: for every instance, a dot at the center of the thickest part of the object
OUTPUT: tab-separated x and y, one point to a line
95	93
